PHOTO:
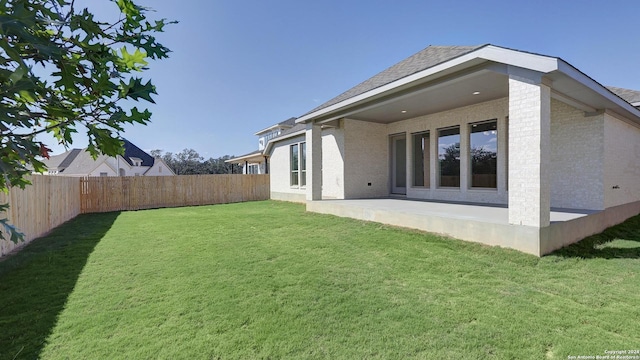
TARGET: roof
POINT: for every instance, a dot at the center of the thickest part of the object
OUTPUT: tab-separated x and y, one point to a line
55	161
630	96
83	163
282	125
429	57
67	161
79	161
254	155
132	151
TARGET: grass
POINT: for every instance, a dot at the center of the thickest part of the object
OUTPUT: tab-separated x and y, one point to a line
267	280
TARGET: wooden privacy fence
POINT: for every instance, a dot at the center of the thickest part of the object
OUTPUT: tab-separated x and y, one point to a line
102	194
52	200
40	207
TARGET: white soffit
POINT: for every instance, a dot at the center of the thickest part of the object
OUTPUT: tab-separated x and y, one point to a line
534	62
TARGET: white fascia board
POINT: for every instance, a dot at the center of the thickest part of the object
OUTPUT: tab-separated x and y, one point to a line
245	157
585	80
535	62
540	63
273	127
280	138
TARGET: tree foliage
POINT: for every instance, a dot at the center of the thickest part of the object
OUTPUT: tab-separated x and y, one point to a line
189	162
61	67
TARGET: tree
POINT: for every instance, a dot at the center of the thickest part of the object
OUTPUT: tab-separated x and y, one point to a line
189	162
61	67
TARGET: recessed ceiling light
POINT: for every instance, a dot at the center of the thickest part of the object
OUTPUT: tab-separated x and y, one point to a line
476	93
404	111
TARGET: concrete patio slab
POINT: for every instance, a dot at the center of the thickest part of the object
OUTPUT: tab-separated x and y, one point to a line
486	224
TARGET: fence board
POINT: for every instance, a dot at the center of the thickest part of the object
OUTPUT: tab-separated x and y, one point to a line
52	200
103	194
35	210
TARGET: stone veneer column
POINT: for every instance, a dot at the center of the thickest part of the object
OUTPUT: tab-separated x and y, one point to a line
314	161
529	148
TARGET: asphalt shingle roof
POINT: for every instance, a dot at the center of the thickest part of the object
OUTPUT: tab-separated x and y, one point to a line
429	57
130	150
630	96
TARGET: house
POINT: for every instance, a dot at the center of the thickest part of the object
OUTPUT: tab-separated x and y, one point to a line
134	162
502	146
256	162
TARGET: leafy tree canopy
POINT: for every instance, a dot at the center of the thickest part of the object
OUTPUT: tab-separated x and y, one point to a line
189	162
61	67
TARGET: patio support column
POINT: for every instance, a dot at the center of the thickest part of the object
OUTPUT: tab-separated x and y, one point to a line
314	161
529	147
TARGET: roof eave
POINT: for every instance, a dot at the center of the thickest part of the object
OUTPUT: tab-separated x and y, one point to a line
253	155
600	89
273	127
535	62
280	138
540	63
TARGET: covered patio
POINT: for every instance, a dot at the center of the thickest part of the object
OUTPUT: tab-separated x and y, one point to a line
483	223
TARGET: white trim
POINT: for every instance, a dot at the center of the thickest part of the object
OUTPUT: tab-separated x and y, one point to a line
245	157
280	138
487	53
534	62
585	80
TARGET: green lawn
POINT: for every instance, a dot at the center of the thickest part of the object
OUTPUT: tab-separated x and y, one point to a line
267	280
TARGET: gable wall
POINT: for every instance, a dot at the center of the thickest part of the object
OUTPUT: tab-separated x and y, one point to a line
102	168
577	157
159	168
279	168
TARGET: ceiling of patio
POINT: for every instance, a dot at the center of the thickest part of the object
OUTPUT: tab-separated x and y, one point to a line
455	92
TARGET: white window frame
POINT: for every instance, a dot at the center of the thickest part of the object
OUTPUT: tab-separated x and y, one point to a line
299	174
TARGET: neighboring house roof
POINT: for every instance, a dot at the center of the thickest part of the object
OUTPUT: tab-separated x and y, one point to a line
282	125
73	153
429	57
132	151
630	96
55	162
79	161
84	164
252	156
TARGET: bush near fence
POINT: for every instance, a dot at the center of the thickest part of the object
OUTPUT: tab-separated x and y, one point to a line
53	200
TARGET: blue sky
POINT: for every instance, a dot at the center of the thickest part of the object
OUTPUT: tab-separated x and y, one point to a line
240	66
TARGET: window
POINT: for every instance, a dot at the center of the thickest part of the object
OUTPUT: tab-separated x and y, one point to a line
298	157
449	157
484	154
103	174
295	173
252	169
421	159
303	164
159	169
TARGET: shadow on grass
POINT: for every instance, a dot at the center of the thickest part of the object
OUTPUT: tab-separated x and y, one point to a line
36	282
617	242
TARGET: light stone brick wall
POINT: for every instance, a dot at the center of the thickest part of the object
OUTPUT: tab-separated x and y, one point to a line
366	154
577	156
494	109
279	170
622	162
333	162
332	167
529	149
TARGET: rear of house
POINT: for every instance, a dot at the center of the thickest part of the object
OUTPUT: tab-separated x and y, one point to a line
480	125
